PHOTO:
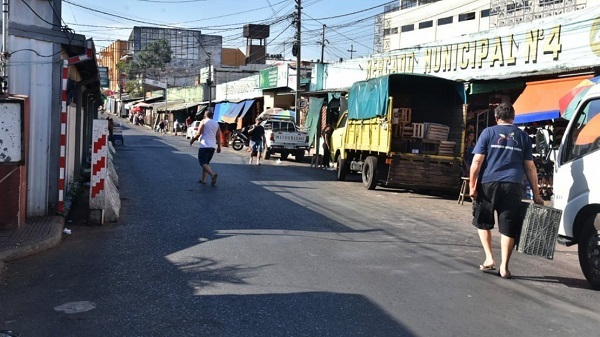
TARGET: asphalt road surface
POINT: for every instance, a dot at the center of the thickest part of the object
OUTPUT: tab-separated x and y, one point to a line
282	249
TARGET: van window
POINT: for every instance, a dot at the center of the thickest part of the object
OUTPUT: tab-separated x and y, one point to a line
585	133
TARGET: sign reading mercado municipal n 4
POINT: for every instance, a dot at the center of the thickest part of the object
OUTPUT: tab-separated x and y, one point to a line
547	44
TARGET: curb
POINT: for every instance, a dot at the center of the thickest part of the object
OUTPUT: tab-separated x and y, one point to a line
36	245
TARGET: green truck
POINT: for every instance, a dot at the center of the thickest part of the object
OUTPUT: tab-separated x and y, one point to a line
404	131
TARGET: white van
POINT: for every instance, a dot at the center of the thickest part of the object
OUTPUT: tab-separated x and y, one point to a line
577	184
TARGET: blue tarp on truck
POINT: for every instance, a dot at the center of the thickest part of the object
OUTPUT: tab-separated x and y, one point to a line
368	99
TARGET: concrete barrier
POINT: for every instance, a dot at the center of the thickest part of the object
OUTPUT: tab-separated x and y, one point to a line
105	202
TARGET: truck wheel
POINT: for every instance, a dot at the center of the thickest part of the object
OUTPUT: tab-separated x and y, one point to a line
267	153
299	156
342	169
369	173
284	155
589	251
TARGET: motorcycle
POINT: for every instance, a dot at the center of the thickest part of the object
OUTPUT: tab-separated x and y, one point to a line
238	140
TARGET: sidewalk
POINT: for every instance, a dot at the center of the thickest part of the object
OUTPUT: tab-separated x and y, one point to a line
38	234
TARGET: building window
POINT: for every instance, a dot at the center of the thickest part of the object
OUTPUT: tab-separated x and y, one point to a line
426	24
394	30
407	28
466	16
404	4
386	32
485	13
513	7
549	2
444	21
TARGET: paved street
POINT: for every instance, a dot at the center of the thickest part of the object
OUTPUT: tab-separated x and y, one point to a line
282	250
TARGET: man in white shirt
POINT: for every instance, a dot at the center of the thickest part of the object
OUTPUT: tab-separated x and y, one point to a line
209	134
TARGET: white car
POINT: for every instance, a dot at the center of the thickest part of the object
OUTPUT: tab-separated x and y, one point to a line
192	130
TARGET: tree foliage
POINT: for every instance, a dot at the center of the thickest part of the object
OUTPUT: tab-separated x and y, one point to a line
147	63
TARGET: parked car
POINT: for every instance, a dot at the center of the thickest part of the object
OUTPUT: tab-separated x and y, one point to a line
192	131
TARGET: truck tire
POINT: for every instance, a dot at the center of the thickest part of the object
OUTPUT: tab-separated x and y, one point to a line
299	156
342	169
589	251
369	173
284	155
267	153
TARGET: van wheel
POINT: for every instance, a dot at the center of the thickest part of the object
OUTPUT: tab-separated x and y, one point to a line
369	173
267	153
589	251
342	169
299	156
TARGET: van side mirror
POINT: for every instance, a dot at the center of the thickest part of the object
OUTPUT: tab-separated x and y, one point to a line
542	144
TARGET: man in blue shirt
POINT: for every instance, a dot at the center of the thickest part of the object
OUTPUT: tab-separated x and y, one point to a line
503	155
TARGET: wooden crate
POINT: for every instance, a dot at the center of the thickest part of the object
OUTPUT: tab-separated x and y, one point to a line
405	115
418	130
436	131
446	148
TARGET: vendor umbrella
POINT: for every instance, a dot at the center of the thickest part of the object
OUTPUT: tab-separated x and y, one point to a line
136	109
569	101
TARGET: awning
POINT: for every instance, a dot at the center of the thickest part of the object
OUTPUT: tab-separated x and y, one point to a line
539	100
220	110
201	109
313	116
142	105
232	113
247	105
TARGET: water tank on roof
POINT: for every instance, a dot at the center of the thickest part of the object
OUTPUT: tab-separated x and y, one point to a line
256	31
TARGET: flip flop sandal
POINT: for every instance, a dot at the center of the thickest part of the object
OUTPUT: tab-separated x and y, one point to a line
487	268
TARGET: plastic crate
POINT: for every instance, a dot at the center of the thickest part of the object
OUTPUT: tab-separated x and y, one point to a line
540	230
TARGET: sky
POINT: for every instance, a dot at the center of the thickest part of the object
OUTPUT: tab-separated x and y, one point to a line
349	23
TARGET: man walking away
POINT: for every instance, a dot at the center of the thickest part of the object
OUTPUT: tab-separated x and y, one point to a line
209	134
257	140
503	154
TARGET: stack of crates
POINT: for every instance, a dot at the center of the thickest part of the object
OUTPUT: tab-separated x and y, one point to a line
402	119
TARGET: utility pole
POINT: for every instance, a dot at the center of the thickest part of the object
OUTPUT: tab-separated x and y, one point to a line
4	55
209	78
323	45
298	57
351	50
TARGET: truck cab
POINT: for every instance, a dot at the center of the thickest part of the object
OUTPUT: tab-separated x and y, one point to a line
577	184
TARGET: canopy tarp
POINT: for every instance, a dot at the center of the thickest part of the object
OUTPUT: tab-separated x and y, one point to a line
201	109
369	99
313	116
220	109
539	100
232	113
247	105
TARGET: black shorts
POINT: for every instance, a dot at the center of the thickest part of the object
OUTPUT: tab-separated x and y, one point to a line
503	198
205	155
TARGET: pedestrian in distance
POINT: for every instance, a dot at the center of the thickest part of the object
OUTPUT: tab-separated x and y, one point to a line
469	146
326	134
257	139
209	134
502	156
176	126
161	127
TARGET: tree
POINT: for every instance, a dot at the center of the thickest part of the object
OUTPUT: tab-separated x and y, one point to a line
148	63
154	57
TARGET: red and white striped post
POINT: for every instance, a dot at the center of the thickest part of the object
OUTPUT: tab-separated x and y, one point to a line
63	122
99	164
